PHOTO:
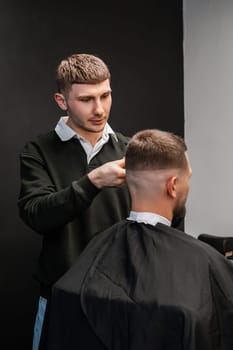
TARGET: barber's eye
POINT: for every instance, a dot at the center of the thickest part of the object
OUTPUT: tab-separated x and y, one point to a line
85	99
106	95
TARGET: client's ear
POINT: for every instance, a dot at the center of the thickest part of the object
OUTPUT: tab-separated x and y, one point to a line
171	186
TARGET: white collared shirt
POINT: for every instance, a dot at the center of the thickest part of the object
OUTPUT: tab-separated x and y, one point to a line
148	218
65	133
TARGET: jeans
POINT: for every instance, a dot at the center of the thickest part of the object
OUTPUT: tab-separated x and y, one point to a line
39	323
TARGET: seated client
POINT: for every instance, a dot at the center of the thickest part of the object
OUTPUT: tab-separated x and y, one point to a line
142	284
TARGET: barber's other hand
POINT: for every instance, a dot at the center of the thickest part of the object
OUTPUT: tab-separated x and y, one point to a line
110	174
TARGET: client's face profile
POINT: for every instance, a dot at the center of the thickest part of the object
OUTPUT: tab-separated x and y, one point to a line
183	190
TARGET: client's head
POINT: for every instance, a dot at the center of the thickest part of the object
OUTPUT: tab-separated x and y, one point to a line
158	172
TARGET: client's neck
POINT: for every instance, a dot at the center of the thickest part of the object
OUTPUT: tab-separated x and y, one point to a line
160	208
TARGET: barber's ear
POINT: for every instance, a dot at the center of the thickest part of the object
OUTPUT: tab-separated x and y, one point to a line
171	186
60	99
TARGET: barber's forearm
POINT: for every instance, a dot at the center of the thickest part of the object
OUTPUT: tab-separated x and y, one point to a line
48	213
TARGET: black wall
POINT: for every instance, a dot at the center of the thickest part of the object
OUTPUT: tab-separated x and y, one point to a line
144	50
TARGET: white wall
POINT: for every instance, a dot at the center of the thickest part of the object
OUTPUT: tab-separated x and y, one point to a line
208	90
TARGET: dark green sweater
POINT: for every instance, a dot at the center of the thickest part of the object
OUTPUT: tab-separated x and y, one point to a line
58	200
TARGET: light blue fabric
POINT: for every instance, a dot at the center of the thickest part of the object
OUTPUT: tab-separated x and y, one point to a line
148	218
39	323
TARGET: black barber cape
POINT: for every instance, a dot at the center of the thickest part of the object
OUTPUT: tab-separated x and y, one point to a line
143	287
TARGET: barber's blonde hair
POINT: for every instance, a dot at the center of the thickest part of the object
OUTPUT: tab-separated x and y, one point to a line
80	69
155	149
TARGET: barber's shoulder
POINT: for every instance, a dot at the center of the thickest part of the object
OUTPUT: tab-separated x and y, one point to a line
41	141
123	138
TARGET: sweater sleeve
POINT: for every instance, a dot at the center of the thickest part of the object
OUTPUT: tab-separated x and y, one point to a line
41	206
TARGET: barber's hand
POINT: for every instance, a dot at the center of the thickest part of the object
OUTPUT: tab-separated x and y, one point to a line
110	174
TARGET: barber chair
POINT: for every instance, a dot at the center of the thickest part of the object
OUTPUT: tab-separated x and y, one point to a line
222	244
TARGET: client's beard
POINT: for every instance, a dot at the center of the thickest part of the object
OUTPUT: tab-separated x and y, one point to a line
179	211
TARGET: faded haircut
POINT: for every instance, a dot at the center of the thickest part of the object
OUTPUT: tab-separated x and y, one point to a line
80	69
153	149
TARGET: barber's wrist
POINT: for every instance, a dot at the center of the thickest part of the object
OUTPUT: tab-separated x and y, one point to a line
95	179
85	186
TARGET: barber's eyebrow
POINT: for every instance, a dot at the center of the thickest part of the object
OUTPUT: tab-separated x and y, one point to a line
86	94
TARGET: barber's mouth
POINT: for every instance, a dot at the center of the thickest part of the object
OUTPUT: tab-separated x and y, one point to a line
97	121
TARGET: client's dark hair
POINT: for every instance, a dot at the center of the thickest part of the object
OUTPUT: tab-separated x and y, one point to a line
155	149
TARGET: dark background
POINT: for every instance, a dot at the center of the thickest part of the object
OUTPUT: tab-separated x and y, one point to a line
143	48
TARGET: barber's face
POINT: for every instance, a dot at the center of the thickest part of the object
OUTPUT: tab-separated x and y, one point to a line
182	190
88	107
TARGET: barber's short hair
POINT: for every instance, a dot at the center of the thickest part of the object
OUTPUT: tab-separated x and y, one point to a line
80	69
153	149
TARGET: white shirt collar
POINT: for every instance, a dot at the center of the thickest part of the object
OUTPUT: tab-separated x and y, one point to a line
65	133
148	218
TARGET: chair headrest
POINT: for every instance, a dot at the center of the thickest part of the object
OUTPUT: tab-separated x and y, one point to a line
223	244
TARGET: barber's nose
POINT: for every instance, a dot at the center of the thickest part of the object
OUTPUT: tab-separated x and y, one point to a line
98	108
